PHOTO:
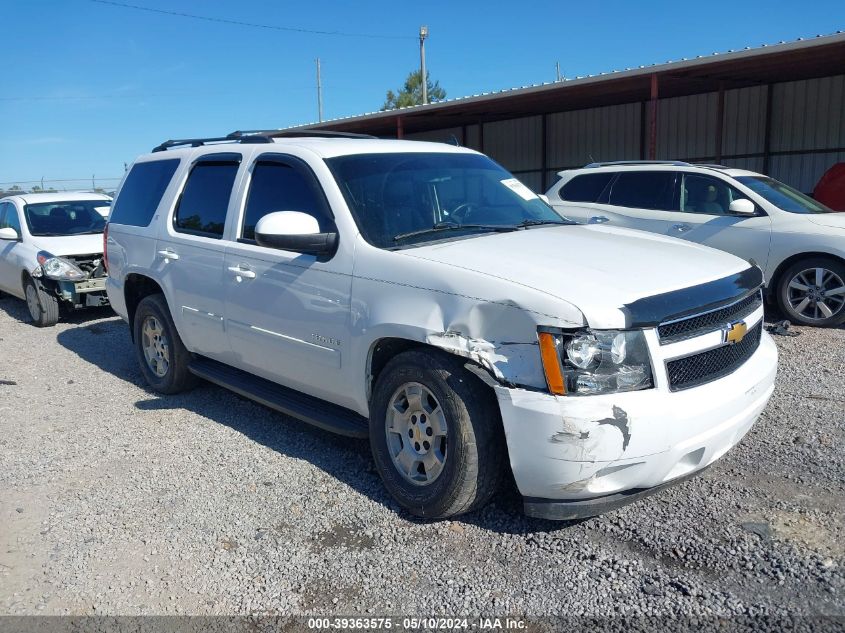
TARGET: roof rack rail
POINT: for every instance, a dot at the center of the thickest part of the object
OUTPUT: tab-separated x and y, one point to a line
711	165
297	134
199	142
256	136
676	163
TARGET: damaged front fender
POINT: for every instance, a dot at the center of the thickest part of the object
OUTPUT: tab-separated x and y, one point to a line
507	361
483	319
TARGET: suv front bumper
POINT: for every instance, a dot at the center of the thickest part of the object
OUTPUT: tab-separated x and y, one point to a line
574	457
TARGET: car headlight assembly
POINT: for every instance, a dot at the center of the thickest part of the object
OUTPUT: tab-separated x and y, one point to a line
592	362
58	268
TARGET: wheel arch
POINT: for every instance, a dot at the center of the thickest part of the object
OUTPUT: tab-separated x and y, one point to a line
385	348
25	276
135	288
772	287
47	285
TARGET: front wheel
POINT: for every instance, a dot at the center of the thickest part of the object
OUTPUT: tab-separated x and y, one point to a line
43	307
812	292
436	435
161	354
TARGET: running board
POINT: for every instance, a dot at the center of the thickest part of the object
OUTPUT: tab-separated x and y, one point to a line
324	415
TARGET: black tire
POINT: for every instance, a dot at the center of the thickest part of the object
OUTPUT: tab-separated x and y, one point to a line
475	444
835	267
43	307
175	377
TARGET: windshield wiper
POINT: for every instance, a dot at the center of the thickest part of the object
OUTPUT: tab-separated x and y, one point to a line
527	223
452	226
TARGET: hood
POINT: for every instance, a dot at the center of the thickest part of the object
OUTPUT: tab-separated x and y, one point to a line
70	244
832	220
598	269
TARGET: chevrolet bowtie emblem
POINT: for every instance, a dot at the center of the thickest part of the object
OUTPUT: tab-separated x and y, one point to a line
733	333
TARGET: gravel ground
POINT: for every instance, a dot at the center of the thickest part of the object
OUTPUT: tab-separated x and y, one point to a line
115	500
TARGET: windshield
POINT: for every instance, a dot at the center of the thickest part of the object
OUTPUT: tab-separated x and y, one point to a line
783	196
73	217
408	198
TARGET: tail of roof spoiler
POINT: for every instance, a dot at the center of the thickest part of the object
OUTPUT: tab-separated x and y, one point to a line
651	311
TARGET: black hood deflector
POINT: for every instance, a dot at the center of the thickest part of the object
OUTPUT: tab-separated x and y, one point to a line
677	304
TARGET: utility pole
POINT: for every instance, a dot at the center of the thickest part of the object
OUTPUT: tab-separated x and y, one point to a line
557	68
319	94
423	74
93	183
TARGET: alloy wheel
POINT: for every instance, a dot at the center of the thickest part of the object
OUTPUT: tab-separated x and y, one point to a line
416	434
816	294
156	347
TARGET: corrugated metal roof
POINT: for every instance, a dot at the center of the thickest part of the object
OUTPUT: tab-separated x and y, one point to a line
670	65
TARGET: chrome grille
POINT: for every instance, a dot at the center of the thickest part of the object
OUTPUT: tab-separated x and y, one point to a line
709	321
698	369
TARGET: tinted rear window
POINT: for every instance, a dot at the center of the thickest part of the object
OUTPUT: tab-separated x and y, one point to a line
202	207
141	193
586	188
644	190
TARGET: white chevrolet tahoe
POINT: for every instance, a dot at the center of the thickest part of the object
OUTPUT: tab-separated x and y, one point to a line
419	295
51	251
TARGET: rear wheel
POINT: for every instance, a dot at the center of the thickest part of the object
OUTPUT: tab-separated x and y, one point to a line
43	307
435	434
812	292
161	354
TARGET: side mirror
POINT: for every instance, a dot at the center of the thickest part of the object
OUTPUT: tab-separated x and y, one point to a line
294	231
743	206
9	234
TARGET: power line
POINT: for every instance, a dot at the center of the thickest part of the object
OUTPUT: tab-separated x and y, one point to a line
109	96
271	27
104	97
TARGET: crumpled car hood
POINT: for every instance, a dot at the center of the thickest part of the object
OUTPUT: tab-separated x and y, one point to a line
599	269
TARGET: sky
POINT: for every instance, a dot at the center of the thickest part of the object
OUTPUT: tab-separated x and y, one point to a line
89	85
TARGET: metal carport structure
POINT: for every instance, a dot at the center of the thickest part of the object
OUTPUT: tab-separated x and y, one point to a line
779	109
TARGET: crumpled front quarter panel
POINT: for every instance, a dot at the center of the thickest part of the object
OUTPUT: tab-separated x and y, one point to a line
464	312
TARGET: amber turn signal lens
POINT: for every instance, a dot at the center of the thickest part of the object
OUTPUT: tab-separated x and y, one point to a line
551	364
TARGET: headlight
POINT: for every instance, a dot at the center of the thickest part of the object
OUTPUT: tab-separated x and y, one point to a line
58	268
595	361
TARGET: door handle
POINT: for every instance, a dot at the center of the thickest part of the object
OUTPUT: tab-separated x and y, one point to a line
168	254
239	272
599	219
681	228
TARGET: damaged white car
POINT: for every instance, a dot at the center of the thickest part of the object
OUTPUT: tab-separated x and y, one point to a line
418	295
51	252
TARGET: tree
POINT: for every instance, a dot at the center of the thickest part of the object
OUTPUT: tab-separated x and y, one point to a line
411	93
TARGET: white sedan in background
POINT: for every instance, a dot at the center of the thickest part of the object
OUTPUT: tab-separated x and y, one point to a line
51	251
798	242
